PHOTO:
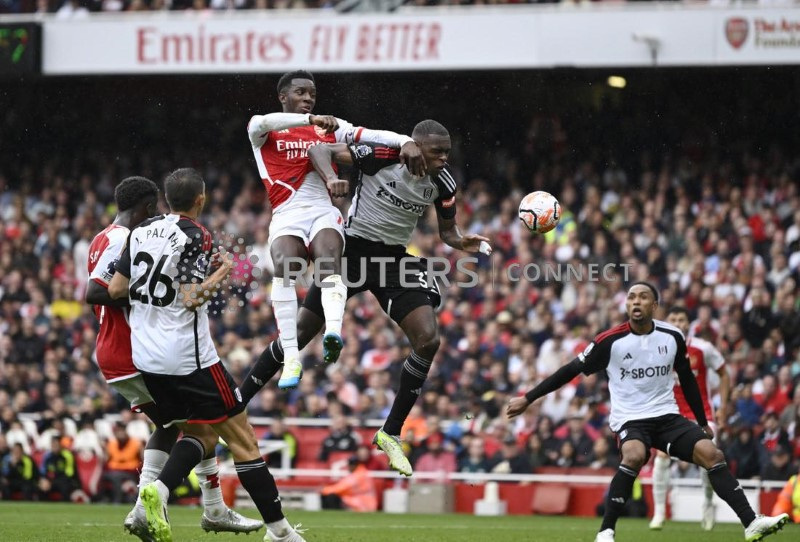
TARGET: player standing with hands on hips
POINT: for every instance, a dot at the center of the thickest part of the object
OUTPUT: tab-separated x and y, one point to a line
304	221
639	357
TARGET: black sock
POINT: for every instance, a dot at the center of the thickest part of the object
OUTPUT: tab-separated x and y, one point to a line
412	377
729	490
618	494
268	363
186	453
260	484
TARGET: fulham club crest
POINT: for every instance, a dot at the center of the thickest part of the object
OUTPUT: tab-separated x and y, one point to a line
736	29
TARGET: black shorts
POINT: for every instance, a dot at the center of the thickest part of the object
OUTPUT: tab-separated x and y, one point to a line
205	396
671	433
364	274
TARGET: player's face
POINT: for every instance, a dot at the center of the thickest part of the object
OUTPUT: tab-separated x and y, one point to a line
435	149
300	97
640	304
679	320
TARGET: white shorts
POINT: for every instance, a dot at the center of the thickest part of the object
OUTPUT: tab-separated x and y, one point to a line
305	222
134	390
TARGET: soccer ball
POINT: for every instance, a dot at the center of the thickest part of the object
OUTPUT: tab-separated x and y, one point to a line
539	211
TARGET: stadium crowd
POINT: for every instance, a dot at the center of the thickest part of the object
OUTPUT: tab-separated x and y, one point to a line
76	9
718	235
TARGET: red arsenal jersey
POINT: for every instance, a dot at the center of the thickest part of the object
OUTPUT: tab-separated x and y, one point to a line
114	339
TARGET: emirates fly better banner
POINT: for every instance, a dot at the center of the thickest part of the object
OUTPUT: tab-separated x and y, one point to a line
422	40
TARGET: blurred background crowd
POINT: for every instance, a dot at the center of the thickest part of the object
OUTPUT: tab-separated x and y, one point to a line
702	202
76	9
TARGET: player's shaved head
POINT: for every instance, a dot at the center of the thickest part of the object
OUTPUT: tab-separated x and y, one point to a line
182	187
286	79
649	286
429	127
133	191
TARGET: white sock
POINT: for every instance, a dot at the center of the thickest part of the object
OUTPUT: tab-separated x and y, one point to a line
660	485
207	472
280	527
284	305
334	298
708	491
152	464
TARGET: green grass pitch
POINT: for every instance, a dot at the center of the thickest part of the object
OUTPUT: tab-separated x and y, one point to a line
29	522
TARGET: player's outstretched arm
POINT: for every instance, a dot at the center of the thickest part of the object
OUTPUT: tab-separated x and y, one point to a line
410	154
97	294
260	125
451	235
322	157
562	376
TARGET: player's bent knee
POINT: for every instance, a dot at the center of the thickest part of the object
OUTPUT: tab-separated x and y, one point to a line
426	345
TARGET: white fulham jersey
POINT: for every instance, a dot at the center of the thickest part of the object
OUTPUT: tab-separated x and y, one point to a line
162	253
389	200
639	369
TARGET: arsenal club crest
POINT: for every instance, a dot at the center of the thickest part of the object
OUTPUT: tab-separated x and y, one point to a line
736	29
320	131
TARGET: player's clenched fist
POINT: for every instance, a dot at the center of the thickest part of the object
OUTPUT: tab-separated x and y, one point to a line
411	156
339	188
326	122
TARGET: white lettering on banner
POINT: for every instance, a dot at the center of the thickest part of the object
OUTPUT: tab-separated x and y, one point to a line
200	47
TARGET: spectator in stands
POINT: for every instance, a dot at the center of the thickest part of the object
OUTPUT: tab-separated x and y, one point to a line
15	434
341	439
268	405
746	454
772	398
774	436
355	492
747	407
510	459
578	436
278	431
780	465
603	455
59	474
474	460
19	475
436	458
124	458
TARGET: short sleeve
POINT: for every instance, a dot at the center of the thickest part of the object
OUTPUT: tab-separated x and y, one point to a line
115	242
370	159
595	357
446	202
